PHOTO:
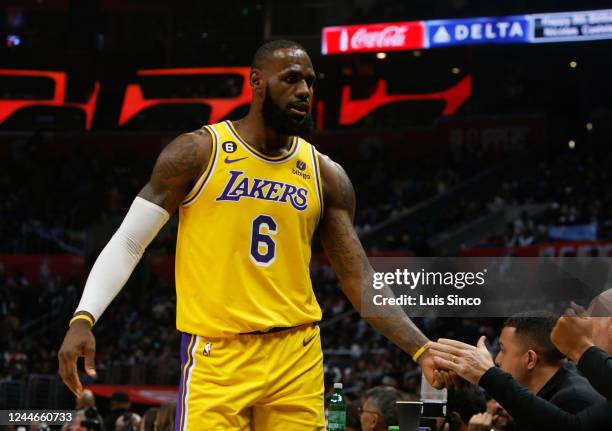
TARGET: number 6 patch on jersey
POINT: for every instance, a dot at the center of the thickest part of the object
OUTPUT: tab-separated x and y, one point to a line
229	146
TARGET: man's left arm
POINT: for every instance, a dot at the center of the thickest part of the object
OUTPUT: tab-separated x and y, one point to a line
573	336
354	272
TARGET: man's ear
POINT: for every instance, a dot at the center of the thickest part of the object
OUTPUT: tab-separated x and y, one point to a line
532	359
256	81
375	420
456	418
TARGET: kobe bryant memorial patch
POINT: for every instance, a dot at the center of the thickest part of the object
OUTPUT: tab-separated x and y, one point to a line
229	146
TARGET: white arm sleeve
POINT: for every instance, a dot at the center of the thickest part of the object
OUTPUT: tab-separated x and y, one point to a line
118	259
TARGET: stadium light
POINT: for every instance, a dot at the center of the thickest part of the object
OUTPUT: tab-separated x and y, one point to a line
573	64
381	55
571	144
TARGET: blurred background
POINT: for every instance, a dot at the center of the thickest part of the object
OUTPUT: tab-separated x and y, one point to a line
464	150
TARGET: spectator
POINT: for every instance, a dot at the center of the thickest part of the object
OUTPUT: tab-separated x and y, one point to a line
378	410
128	421
534	362
462	404
148	420
87	399
165	417
475	365
75	425
119	404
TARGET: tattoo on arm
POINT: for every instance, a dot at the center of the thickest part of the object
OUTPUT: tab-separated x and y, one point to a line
177	168
176	162
351	264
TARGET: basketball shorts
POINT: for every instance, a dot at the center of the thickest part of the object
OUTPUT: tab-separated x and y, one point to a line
252	382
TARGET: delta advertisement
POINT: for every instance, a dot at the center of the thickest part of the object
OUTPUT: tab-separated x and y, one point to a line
413	35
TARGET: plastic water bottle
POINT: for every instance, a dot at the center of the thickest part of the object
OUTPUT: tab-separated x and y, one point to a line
434	400
336	411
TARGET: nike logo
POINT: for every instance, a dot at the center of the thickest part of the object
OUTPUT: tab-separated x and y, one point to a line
228	160
306	341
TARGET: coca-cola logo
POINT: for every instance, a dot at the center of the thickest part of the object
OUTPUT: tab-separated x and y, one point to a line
392	36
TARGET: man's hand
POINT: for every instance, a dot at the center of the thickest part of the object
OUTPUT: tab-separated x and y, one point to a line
426	361
467	361
481	422
79	341
572	334
437	377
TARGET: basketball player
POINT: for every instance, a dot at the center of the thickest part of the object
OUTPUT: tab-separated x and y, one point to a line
250	195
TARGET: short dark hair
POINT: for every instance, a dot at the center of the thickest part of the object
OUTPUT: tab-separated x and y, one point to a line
467	401
268	48
385	397
534	328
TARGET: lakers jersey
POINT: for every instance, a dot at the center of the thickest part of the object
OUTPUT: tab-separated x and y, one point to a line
244	239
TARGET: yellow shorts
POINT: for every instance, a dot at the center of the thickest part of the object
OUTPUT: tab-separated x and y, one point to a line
258	382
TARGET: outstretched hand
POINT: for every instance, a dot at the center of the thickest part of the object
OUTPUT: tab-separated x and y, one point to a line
573	333
469	362
78	342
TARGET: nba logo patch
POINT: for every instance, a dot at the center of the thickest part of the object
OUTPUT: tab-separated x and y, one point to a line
207	349
300	165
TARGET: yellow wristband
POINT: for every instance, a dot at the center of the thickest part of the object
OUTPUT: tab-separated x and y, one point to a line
420	352
81	317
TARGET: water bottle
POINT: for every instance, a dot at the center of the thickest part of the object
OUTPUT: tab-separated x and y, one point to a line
434	400
336	411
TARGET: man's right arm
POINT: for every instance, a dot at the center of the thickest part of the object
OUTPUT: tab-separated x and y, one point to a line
175	172
527	408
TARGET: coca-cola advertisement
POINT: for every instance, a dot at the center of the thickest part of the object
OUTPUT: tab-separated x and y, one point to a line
374	37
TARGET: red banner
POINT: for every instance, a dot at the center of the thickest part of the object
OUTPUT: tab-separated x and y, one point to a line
41	267
142	394
135	100
9	106
552	249
352	111
373	37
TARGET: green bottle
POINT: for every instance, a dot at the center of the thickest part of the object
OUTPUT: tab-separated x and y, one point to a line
336	411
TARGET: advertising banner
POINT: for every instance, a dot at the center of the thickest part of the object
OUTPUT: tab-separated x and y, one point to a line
139	394
373	37
531	28
572	26
474	31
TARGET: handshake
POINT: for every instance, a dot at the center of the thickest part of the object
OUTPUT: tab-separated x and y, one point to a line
533	381
452	360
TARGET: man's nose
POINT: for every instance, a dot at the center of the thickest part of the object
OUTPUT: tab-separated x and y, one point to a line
303	91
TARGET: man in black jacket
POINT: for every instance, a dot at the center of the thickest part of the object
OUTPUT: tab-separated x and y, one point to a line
533	361
585	340
475	365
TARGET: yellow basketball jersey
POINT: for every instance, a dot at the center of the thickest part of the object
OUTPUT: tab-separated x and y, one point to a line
244	239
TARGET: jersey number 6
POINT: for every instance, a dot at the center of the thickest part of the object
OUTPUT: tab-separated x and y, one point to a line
263	240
